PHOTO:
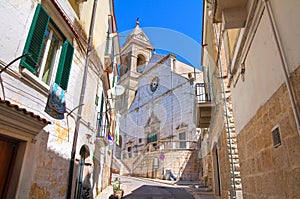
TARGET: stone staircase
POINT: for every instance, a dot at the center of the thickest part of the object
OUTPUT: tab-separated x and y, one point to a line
233	150
177	160
120	166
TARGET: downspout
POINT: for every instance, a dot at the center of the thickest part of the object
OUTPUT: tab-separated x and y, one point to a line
101	114
283	61
226	110
83	87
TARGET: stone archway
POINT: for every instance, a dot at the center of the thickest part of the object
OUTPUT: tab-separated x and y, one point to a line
140	63
83	181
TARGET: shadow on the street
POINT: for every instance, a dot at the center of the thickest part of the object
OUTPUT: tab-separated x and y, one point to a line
159	192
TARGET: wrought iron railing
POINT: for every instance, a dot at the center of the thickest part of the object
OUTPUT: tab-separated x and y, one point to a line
103	124
202	92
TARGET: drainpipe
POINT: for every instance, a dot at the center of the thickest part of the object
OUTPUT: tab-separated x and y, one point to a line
283	61
226	110
83	87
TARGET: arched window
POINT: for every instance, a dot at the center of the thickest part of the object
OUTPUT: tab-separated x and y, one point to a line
140	65
124	66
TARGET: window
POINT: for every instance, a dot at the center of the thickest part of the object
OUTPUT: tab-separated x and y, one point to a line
276	137
152	137
182	138
125	66
141	60
103	124
129	152
51	54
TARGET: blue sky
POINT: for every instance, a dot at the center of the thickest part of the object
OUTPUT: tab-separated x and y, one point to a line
172	26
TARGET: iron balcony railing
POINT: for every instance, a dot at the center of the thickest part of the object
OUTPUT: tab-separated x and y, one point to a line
103	124
201	92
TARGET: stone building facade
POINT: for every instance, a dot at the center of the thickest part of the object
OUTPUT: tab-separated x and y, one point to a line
44	59
260	49
219	153
157	111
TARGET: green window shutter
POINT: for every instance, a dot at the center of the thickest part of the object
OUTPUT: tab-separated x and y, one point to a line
64	65
35	39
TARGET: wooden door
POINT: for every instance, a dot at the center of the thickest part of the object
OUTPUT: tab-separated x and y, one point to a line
8	150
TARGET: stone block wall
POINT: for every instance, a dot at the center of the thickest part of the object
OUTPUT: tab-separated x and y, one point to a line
183	163
225	167
51	173
219	152
266	171
224	174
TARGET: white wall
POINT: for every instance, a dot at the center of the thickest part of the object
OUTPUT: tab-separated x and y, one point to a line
287	16
101	25
264	74
15	22
55	141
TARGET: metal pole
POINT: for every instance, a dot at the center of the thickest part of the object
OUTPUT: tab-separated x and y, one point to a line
83	87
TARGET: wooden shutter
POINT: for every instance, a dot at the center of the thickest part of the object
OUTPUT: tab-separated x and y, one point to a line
64	65
35	39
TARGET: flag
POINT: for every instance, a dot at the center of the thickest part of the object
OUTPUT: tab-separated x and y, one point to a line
111	133
117	132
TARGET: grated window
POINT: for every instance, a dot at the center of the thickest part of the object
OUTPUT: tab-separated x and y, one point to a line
276	137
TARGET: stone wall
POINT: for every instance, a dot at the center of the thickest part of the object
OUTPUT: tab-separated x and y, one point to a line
225	167
222	161
266	171
182	163
219	151
51	173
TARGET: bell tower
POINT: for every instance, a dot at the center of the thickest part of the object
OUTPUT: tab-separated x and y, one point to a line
135	54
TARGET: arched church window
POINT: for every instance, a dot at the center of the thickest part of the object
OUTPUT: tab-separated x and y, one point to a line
141	60
125	66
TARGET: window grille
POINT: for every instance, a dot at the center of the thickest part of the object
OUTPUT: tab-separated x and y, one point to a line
276	137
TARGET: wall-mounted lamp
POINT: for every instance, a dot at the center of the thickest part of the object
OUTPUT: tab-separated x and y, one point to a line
13	61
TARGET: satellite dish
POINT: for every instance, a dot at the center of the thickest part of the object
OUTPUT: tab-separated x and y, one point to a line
117	90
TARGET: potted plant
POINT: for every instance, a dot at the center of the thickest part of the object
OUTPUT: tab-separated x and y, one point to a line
118	192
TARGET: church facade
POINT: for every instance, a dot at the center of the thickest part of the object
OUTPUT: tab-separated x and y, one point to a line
157	112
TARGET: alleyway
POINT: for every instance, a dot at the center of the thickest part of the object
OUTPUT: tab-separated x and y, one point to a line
136	188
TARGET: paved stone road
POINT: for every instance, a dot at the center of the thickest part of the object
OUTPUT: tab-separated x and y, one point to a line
135	188
140	188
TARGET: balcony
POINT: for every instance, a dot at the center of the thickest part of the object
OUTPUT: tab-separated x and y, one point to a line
232	13
102	129
204	105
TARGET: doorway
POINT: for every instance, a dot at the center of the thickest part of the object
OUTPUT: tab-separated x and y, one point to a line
8	153
216	169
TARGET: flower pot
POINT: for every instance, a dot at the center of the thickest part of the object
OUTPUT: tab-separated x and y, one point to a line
119	193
